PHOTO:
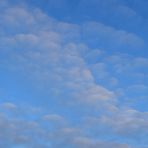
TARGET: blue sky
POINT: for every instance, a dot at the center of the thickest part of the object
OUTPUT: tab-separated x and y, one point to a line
73	74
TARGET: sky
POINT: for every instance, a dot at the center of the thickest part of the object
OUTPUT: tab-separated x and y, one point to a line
73	74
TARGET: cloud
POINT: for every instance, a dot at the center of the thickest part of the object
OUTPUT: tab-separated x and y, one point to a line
52	117
138	88
8	106
125	122
14	132
30	132
90	143
52	56
128	66
106	36
57	57
72	137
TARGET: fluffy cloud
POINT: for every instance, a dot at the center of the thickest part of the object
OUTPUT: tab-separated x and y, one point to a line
50	53
56	57
107	36
127	123
25	132
89	143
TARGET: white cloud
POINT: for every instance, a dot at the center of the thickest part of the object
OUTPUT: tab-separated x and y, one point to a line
127	122
91	143
53	57
50	51
103	34
9	106
29	132
51	54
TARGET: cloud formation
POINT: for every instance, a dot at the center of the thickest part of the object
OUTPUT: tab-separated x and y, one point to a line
71	64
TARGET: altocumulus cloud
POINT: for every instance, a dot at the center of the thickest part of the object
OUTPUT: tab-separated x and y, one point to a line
56	56
34	133
46	53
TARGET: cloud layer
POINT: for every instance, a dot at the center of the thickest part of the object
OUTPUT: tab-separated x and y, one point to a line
84	84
